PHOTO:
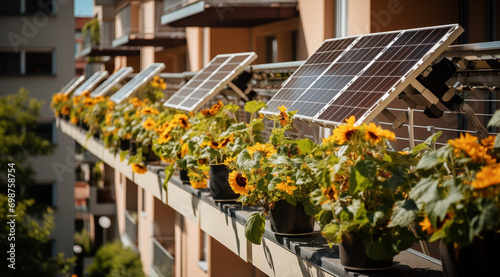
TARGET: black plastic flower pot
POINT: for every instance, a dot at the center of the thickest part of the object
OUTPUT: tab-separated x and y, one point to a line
353	255
481	258
183	174
125	144
219	183
290	220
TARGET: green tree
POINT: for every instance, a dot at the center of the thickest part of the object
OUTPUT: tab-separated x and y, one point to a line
18	120
23	236
115	260
27	241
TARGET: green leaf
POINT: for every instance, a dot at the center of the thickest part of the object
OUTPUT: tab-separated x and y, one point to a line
404	213
247	162
362	176
357	208
495	120
257	125
305	145
254	106
255	227
431	159
332	233
169	171
123	155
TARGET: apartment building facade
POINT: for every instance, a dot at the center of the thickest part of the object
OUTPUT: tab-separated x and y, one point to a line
37	53
186	35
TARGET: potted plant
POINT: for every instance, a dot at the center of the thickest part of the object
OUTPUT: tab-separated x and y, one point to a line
224	138
361	180
457	202
61	105
275	176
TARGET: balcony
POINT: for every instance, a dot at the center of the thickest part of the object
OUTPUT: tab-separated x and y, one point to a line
103	45
102	201
130	238
226	13
139	24
163	258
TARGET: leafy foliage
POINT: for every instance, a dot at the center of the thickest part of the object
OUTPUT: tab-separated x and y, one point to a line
107	262
32	239
360	182
18	120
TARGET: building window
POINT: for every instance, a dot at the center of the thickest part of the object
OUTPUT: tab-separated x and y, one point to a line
271	49
47	131
203	262
15	7
42	193
27	62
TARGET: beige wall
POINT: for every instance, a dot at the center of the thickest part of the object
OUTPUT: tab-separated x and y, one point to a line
120	195
187	248
316	24
145	228
194	41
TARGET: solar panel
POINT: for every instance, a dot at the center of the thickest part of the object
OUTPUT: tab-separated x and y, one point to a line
71	85
91	82
360	75
209	81
108	84
141	78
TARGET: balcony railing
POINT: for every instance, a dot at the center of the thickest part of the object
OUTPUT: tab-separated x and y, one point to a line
131	227
163	260
170	5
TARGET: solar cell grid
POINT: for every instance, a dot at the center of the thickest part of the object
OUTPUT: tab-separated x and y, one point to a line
91	82
115	78
305	76
379	80
140	79
209	81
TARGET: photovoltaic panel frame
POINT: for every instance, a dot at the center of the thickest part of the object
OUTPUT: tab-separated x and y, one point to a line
91	82
140	79
71	85
106	86
360	75
209	81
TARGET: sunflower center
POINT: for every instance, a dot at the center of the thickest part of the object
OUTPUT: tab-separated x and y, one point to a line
349	134
241	181
372	135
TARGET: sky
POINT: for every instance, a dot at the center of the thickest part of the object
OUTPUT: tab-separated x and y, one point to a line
83	8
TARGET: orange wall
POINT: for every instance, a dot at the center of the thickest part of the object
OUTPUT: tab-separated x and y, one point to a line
194	40
187	248
228	40
120	196
173	58
316	24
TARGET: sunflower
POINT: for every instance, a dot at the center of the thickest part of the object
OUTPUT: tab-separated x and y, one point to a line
76	100
65	110
373	133
426	225
285	187
139	169
488	176
164	137
184	149
73	119
99	99
160	128
110	105
331	193
202	184
283	116
229	160
267	149
87	102
488	142
468	144
343	133
223	143
86	93
57	97
181	120
149	110
239	183
149	124
136	102
214	144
